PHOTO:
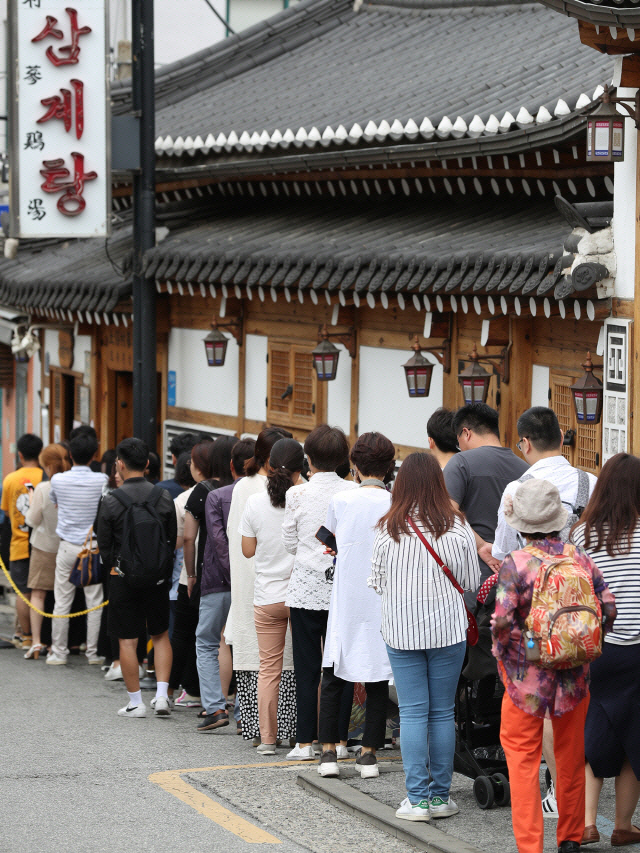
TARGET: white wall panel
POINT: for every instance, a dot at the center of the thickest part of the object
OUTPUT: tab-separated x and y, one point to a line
206	389
256	378
339	393
385	405
540	385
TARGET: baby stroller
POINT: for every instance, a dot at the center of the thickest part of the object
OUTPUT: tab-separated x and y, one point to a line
478	753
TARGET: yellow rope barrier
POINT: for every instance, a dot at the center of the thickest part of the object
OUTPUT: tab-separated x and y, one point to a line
41	612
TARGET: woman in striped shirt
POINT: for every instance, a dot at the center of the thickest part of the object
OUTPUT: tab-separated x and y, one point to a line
424	625
610	533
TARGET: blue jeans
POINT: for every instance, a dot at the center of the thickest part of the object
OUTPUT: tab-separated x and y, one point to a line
426	681
214	609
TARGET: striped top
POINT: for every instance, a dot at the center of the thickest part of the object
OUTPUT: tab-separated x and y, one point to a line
421	609
622	574
77	494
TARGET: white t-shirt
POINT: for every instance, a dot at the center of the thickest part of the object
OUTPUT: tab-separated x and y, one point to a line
272	563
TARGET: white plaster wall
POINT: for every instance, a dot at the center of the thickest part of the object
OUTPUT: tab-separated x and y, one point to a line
198	386
540	378
385	405
256	378
339	393
49	343
624	209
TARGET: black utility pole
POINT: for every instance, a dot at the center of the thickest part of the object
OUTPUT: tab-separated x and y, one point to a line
144	235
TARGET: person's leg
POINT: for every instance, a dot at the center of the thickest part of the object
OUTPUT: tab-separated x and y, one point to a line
163	656
547	749
271	627
94	596
412	684
375	717
443	672
330	694
37	599
521	739
344	717
129	664
214	609
19	571
308	629
627	796
64	593
593	787
180	639
225	662
568	739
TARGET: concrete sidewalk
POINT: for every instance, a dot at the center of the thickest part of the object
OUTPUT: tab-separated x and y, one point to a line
471	831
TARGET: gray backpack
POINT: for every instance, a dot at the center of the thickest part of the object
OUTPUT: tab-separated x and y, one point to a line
576	511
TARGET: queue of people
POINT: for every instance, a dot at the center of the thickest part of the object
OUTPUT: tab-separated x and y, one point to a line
286	573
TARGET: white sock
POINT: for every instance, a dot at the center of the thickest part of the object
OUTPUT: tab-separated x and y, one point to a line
135	699
161	689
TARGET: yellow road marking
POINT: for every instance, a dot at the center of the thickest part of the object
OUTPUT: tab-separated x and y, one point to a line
171	782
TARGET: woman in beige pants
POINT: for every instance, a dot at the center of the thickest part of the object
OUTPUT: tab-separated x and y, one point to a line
261	530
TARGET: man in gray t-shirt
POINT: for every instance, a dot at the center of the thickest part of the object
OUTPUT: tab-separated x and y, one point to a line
477	477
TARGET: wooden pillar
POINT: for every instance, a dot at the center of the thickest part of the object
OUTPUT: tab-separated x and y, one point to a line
634	373
242	379
355	383
516	396
451	396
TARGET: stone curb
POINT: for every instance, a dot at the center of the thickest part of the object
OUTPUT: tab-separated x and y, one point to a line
421	835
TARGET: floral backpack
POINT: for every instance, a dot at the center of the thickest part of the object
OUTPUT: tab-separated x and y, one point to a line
564	627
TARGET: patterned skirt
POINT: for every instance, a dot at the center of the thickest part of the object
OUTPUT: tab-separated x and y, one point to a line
247	681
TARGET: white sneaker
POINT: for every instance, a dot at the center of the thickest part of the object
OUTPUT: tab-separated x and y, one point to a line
142	672
409	812
442	808
95	660
114	673
266	749
328	765
133	711
342	752
549	804
301	753
56	660
161	706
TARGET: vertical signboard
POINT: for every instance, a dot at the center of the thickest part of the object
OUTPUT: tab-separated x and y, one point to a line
60	182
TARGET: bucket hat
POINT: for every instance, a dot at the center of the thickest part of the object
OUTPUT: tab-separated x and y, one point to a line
535	508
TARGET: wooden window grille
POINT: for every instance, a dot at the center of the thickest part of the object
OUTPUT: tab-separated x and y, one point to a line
57	395
291	364
586	450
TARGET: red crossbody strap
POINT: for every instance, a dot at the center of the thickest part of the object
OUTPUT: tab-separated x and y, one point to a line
444	568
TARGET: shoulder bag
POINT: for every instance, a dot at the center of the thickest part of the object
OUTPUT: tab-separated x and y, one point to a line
472	625
87	569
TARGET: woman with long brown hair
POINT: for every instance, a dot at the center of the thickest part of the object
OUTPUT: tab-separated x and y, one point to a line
610	533
424	626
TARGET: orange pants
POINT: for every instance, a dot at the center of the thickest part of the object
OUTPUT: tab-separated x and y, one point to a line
521	738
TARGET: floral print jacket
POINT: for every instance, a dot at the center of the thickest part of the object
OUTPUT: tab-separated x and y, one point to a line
535	690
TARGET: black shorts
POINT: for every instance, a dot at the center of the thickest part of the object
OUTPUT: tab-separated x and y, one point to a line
129	606
19	571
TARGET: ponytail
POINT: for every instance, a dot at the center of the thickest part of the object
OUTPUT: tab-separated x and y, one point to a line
286	460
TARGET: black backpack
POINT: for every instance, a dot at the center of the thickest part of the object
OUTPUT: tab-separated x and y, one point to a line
144	557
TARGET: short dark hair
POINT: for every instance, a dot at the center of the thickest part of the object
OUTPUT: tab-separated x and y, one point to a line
134	452
153	471
540	425
440	430
183	442
221	458
182	474
479	417
242	451
83	447
374	456
30	446
327	447
83	429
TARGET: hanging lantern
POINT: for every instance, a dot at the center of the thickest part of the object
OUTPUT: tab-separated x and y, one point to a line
325	358
605	132
418	372
587	395
474	380
215	345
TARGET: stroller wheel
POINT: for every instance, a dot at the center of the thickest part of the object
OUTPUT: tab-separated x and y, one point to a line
483	792
501	789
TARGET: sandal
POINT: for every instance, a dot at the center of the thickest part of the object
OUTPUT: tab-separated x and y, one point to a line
202	713
34	651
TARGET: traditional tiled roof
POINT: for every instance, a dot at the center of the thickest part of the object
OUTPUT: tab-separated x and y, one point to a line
617	15
322	77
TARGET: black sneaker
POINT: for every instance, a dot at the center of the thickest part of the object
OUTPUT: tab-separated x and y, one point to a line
214	721
328	765
367	764
569	847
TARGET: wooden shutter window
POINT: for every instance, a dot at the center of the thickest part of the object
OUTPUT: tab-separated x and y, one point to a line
562	405
7	362
279	373
291	364
586	450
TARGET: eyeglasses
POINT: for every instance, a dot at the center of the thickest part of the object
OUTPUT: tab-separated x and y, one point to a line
458	437
519	444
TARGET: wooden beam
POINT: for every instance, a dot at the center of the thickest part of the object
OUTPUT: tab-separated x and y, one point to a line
604	42
630	75
209	419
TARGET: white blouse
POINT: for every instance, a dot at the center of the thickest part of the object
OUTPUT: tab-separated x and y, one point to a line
42	516
305	512
421	609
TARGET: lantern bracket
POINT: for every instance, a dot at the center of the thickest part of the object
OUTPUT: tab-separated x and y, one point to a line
235	327
347	339
442	353
630	105
502	369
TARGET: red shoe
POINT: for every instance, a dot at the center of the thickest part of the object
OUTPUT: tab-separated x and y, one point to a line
590	835
620	837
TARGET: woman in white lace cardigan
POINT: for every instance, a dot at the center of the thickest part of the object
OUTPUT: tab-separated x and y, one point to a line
309	591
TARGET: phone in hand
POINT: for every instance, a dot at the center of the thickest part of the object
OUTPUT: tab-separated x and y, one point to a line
327	538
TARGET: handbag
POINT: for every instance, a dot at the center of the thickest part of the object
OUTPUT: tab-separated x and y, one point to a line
472	625
87	569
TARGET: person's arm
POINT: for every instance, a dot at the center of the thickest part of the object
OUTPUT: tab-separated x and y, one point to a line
34	515
290	524
4	501
467	571
104	534
506	539
191	527
249	544
601	589
378	578
483	548
507	599
248	531
217	528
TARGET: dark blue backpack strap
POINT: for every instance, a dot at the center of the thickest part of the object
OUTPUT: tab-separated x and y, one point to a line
154	495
